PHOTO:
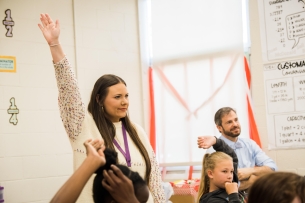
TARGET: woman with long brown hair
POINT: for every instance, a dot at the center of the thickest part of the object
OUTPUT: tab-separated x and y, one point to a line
106	118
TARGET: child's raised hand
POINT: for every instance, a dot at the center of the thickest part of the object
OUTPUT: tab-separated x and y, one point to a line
95	151
98	144
231	188
206	141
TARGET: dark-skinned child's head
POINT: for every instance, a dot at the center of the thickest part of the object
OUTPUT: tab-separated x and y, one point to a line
101	195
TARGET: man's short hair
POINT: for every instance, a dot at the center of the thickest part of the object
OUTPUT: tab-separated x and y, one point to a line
221	113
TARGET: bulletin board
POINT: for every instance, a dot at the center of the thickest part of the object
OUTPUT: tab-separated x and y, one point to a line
285	101
282	25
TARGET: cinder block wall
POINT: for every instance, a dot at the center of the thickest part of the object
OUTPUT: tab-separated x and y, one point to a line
98	37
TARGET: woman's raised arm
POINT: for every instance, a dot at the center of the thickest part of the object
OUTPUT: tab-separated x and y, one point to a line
72	109
51	31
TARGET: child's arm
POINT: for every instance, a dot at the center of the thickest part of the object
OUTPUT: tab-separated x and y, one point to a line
219	145
231	197
207	141
71	190
232	191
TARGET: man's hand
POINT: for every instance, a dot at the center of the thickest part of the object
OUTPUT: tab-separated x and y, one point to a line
245	173
247	176
231	188
246	184
119	186
206	141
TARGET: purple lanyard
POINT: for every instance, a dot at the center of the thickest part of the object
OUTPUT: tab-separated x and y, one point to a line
126	154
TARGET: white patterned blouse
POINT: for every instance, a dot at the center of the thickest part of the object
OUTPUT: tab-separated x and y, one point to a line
80	126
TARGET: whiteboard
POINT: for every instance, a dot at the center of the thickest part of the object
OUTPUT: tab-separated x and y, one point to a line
285	99
282	25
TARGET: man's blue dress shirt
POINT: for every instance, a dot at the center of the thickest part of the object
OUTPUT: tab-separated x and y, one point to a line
249	153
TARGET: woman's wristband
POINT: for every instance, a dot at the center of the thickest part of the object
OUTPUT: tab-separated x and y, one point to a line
53	45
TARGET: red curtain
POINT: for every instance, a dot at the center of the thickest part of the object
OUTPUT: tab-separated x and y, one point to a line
254	135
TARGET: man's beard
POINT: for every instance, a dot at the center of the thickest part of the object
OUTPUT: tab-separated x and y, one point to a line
231	134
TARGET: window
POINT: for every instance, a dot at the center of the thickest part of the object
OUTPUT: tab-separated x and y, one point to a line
196	52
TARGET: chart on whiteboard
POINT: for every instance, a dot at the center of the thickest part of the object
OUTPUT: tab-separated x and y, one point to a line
282	24
285	99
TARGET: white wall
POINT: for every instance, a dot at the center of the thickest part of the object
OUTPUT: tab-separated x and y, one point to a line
287	160
35	155
107	42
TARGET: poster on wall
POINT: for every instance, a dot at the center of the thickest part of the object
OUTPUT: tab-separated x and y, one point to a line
8	64
285	103
282	25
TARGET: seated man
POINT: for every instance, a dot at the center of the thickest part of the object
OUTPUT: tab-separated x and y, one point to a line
252	161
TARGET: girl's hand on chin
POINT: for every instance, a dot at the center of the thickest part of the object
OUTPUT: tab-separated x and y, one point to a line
231	188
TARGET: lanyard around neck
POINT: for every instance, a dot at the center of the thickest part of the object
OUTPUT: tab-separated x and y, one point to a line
126	154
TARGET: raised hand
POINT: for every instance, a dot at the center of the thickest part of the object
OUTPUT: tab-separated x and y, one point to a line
206	141
95	152
98	144
72	188
49	29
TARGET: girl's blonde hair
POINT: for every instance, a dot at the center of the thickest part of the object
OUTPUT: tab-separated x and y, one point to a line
209	163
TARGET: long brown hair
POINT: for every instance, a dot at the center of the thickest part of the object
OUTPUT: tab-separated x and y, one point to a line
208	163
279	187
105	126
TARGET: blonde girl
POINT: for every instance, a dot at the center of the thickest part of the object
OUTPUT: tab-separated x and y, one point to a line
218	180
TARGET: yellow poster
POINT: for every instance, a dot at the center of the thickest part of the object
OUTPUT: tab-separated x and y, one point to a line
8	64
